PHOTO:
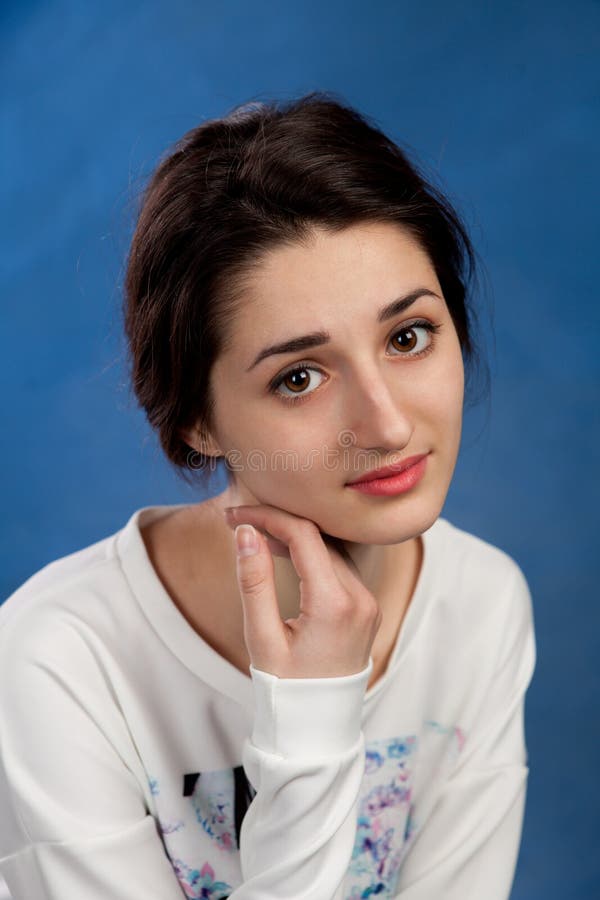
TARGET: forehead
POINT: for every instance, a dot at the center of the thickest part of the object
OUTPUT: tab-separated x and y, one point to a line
356	269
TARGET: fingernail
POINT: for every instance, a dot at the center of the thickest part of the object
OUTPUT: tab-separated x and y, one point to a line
246	542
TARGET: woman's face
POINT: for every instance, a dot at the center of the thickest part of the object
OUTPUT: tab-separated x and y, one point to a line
375	393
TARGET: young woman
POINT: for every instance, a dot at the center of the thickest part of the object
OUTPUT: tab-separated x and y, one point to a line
336	710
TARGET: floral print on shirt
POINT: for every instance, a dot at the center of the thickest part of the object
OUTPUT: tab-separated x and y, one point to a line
386	821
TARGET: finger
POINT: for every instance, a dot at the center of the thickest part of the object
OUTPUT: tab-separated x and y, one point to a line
344	566
308	553
277	548
264	630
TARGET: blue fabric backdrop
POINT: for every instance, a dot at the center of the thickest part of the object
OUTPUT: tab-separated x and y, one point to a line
497	99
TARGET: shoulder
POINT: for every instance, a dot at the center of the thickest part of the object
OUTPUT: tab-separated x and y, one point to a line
85	605
482	588
62	605
475	558
475	563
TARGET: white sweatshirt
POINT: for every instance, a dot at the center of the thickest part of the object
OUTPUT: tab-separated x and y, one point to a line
136	763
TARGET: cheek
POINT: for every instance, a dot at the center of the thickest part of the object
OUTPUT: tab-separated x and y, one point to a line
288	430
441	399
451	387
238	425
278	451
450	377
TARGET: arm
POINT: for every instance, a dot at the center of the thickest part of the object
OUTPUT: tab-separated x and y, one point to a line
306	761
74	822
306	756
468	845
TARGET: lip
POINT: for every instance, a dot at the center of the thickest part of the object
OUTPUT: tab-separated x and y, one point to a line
387	471
393	485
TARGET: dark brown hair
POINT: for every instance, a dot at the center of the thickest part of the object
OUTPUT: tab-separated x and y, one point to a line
233	189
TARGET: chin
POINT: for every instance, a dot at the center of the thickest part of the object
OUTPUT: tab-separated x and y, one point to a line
392	526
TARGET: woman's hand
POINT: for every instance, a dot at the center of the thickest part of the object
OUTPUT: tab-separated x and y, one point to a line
339	618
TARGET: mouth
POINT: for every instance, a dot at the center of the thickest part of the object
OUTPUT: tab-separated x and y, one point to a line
388	471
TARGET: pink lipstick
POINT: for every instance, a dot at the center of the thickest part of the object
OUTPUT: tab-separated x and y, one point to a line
387	485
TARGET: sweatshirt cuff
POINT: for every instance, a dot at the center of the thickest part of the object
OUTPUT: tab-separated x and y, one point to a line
308	716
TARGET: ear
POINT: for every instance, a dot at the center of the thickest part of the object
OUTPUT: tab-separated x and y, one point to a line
200	441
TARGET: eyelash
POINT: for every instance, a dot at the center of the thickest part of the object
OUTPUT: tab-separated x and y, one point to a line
301	367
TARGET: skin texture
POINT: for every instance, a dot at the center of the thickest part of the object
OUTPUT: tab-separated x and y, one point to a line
368	401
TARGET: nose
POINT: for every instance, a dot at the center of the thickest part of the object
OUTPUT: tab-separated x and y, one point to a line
376	410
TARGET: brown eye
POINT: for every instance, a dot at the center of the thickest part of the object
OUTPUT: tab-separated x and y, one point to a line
295	381
407	338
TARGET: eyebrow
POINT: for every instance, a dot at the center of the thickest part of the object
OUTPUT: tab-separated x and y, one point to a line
318	338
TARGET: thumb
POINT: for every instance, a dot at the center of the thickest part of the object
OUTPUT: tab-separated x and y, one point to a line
263	628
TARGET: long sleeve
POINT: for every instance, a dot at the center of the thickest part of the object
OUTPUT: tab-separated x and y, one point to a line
74	819
468	846
306	762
